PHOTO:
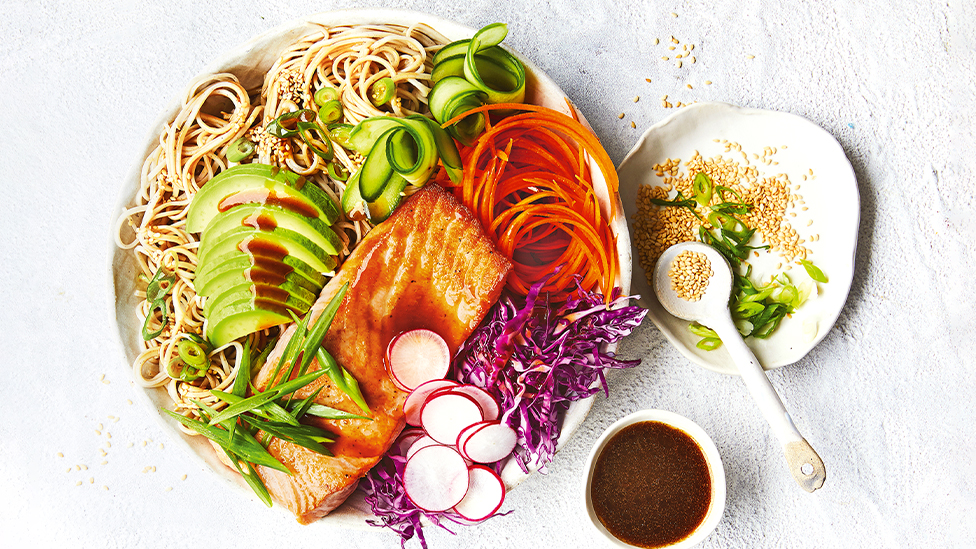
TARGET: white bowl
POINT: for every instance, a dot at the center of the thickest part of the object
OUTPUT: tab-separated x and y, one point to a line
716	507
250	61
832	203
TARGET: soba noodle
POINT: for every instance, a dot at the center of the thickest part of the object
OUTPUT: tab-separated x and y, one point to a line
192	149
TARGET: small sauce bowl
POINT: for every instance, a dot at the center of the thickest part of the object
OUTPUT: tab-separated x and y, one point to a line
716	474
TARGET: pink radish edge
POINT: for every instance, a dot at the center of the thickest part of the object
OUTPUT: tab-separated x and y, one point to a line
490	443
444	415
417	356
485	495
416	399
436	478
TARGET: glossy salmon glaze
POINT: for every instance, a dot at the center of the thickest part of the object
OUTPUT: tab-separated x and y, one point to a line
429	266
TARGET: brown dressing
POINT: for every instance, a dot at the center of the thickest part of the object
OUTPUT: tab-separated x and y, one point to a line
261	221
269	197
651	486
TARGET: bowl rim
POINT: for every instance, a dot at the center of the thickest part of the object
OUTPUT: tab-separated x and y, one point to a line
716	507
350	514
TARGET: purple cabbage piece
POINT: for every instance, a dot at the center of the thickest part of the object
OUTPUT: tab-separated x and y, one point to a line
535	358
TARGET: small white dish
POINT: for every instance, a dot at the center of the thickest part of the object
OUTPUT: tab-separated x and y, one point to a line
716	507
831	200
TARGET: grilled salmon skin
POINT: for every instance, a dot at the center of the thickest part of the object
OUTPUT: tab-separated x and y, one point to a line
430	265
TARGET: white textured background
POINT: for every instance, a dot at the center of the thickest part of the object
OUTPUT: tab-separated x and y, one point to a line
886	398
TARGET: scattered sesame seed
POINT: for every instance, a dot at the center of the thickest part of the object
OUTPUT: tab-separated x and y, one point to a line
636	98
106	382
673	15
77	467
91	480
621	115
168	489
99	427
750	57
648	80
108	444
144	443
101	377
675	40
665	58
657	41
60	455
84	467
183	477
105	488
160	445
632	124
810	222
678	64
103	463
68	470
708	82
691	46
97	432
78	483
128	401
129	445
670	47
693	60
689	87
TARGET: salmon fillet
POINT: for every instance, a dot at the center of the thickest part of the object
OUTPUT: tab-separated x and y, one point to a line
430	265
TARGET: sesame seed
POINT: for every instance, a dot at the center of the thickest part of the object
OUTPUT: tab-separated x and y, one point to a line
689	87
160	445
678	64
750	57
810	222
691	46
78	483
693	59
183	477
632	124
105	488
60	455
665	58
708	82
673	15
97	432
128	401
657	41
168	489
103	462
621	115
648	80
636	98
670	47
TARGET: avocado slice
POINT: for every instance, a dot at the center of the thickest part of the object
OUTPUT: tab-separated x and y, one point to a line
288	294
258	183
235	275
245	317
267	217
294	244
268	260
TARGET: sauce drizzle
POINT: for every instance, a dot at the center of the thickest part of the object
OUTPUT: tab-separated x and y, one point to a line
651	486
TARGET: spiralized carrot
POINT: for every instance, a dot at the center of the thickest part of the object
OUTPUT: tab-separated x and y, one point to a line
528	181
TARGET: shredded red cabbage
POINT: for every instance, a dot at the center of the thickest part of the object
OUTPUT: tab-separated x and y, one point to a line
535	358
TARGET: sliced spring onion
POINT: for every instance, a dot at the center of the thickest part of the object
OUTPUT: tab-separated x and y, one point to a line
341	378
316	139
241	444
164	317
814	271
324	95
382	91
240	149
340	134
702	186
709	344
177	369
286	125
160	285
330	112
337	171
192	353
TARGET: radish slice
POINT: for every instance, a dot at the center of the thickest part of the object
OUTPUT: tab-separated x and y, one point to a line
407	438
420	444
417	356
445	415
414	402
489	406
467	432
490	443
435	478
485	495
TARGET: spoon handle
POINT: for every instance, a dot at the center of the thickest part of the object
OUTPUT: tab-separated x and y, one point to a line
805	465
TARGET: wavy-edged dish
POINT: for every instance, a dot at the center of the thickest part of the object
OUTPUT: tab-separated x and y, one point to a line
250	62
831	198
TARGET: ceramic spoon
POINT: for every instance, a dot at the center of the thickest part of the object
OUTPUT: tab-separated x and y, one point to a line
712	310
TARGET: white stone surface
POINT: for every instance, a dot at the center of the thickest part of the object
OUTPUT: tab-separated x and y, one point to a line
886	398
